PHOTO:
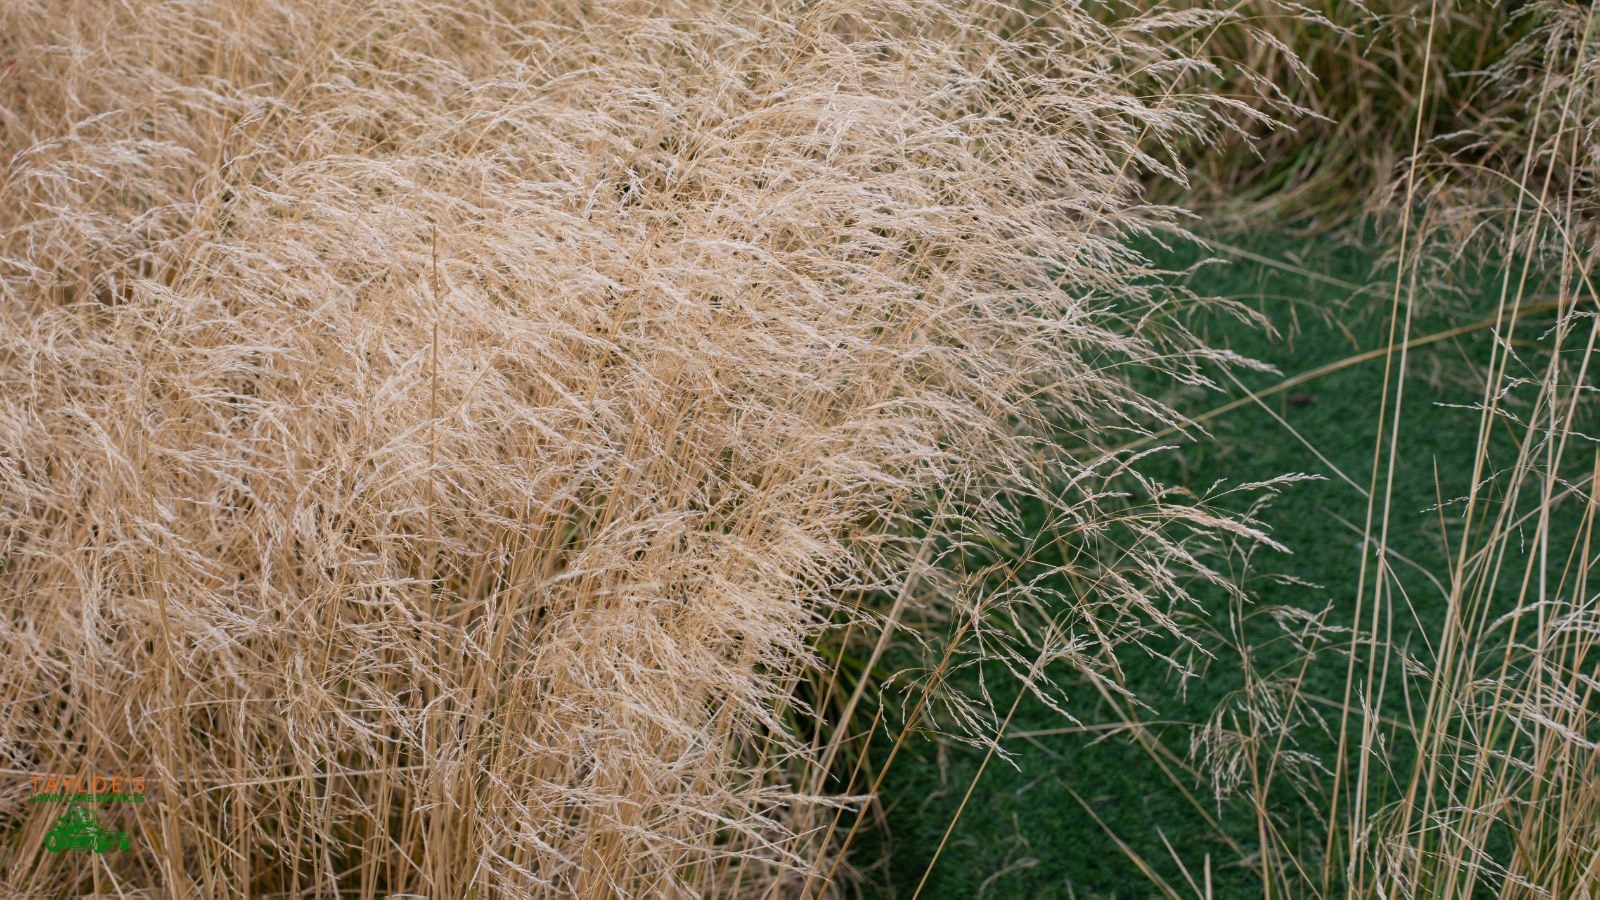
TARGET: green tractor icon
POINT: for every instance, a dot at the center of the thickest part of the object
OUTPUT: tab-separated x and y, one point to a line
80	830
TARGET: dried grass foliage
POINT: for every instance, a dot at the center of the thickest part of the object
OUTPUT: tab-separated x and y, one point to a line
1468	733
432	436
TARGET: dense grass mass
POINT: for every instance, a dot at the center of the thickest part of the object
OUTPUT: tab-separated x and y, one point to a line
498	448
432	435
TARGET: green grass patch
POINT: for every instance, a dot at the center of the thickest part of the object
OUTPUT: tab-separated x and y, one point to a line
1030	828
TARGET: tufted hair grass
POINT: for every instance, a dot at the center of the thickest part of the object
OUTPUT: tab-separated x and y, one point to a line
438	440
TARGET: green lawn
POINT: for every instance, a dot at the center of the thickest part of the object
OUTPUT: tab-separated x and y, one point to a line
1023	833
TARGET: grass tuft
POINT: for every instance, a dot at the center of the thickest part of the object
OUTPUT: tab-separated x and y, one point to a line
436	438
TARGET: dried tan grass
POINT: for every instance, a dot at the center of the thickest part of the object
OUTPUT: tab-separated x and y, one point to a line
432	436
1468	733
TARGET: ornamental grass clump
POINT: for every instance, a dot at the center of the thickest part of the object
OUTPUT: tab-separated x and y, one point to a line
434	438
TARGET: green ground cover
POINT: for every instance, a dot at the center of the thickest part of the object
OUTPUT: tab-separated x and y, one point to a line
1024	833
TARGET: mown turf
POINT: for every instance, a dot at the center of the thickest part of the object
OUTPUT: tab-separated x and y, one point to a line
1023	833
